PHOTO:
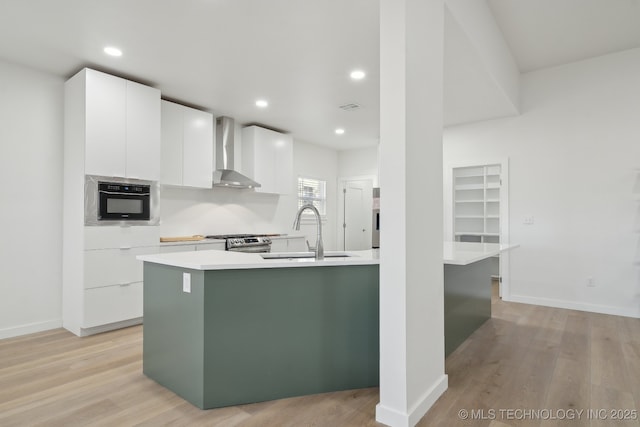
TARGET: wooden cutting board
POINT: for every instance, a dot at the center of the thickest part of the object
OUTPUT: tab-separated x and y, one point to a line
182	238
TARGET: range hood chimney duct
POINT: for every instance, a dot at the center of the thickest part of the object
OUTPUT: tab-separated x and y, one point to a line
225	175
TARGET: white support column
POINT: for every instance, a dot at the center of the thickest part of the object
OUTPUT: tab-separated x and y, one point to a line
411	271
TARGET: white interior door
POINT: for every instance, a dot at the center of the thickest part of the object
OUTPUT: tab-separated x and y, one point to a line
357	208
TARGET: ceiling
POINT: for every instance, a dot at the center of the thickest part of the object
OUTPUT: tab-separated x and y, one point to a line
223	55
547	33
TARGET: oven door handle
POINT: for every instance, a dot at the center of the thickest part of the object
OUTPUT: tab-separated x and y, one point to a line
116	193
251	249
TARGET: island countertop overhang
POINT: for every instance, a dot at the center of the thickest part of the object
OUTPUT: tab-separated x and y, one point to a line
465	253
229	260
454	253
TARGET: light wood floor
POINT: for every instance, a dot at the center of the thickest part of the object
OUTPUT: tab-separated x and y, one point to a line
526	357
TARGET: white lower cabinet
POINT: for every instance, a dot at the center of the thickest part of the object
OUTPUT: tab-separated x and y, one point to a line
111	304
103	285
165	249
218	246
105	267
109	294
113	280
120	237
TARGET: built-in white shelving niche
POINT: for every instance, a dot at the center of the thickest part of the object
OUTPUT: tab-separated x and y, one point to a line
476	203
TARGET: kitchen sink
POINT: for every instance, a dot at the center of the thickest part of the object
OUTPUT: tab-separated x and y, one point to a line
291	255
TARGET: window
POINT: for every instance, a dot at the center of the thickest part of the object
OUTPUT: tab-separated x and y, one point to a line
312	191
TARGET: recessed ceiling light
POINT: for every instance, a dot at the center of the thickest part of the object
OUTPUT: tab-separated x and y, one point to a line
113	51
357	75
339	131
261	103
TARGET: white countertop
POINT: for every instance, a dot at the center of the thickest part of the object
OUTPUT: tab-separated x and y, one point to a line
205	241
193	242
454	253
227	260
464	253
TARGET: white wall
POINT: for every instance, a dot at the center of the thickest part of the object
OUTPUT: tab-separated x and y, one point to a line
31	141
359	163
225	210
314	161
31	165
574	159
476	20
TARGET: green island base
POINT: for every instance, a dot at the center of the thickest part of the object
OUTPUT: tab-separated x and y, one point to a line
251	335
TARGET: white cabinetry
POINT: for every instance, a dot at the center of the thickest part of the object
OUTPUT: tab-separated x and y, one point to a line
111	128
122	126
217	246
112	276
104	289
143	132
112	304
187	146
114	266
113	285
267	157
166	248
106	123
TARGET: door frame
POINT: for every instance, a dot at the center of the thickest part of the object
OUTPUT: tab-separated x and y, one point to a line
342	181
448	191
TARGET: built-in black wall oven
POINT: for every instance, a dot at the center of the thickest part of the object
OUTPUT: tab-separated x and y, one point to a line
116	200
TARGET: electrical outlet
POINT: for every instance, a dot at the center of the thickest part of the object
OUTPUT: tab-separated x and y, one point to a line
186	282
528	220
590	282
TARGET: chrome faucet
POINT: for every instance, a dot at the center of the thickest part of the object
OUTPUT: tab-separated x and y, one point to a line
319	250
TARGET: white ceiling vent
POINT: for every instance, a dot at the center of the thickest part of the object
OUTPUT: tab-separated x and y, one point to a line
352	106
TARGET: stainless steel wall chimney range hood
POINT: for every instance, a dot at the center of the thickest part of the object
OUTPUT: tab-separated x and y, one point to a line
225	175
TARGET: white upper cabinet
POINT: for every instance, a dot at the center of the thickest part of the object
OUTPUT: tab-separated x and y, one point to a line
197	148
122	127
187	146
106	123
143	132
267	157
172	134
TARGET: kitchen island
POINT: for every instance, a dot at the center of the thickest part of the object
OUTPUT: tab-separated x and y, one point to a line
467	288
224	328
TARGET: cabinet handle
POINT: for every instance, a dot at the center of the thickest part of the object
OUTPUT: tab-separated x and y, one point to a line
122	285
123	248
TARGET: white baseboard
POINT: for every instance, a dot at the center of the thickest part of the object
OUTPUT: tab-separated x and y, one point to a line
570	305
84	332
30	328
394	418
391	417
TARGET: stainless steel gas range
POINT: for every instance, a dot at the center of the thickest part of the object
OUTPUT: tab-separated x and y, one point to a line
255	243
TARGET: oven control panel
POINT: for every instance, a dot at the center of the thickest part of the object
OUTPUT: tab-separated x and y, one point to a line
249	244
